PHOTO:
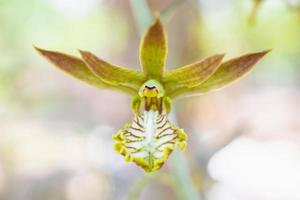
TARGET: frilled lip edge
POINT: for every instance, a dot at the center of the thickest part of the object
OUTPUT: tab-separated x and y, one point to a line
149	140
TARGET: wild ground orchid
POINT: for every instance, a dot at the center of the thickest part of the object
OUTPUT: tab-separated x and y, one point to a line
151	137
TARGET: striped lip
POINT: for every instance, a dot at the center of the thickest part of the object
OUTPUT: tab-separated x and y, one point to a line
149	140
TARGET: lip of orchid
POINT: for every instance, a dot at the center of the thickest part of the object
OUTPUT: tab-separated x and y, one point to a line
149	140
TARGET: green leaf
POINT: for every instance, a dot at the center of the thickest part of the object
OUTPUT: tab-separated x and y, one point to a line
229	71
75	67
191	75
153	51
112	74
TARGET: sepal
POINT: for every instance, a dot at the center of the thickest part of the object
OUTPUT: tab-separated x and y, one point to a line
153	51
228	72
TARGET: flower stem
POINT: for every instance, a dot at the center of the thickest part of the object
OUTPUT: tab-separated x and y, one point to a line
142	14
146	179
181	172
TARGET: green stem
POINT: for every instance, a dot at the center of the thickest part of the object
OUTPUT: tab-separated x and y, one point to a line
147	179
253	15
169	11
182	173
142	14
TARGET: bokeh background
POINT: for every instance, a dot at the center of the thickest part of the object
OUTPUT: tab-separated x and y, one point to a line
55	132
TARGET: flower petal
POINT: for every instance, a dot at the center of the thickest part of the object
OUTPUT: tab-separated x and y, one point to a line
153	51
77	68
227	73
112	74
149	140
191	75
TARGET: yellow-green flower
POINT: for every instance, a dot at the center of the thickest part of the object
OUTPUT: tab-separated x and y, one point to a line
150	138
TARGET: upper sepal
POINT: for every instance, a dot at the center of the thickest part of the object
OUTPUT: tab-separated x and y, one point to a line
153	51
228	72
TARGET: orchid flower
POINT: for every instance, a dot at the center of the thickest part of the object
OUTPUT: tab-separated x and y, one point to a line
150	138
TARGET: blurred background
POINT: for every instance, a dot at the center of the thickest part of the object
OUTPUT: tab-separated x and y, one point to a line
55	131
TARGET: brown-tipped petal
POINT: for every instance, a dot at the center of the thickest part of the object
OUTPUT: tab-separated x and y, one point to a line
112	74
153	51
191	75
71	65
77	68
229	71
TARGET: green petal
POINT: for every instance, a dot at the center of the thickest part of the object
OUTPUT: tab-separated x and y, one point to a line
191	75
153	51
78	69
112	74
228	72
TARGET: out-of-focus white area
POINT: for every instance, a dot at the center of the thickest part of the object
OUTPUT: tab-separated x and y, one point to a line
76	8
248	169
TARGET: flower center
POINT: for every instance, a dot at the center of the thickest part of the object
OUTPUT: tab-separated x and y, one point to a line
152	93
